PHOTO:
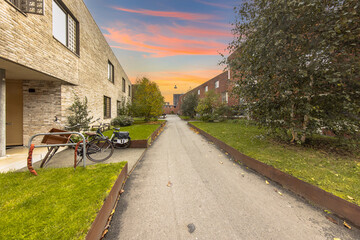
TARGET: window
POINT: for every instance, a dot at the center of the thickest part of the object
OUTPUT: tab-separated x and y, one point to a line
123	85
107	107
206	88
199	92
217	84
224	97
65	27
129	91
110	72
118	107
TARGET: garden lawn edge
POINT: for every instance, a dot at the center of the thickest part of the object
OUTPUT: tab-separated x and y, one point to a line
101	220
320	197
145	143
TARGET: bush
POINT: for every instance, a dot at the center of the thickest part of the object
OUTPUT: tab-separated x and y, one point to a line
122	121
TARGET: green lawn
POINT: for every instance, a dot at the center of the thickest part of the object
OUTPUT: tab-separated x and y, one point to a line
58	204
336	173
138	131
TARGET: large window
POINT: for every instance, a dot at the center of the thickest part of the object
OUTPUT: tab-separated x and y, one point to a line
217	84
118	107
65	27
199	92
123	85
110	72
129	90
206	88
107	107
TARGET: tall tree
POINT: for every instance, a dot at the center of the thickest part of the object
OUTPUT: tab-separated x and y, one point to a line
147	100
297	64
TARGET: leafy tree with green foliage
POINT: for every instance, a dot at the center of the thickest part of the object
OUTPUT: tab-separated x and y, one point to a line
125	108
189	104
208	105
79	118
147	100
297	64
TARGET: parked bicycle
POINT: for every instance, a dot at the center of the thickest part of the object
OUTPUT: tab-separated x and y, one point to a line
118	139
97	149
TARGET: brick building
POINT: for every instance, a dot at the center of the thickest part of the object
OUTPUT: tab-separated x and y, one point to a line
49	50
221	84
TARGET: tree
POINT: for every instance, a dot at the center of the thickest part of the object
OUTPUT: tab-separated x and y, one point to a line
147	100
297	64
208	105
79	118
189	104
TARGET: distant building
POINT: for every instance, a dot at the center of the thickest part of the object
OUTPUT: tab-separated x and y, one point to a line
176	98
221	84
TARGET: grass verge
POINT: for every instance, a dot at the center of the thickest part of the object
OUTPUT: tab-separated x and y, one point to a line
335	173
58	204
138	131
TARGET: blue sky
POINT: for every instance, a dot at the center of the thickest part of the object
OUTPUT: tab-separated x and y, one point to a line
170	42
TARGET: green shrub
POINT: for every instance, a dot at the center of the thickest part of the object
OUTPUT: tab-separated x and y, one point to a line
122	120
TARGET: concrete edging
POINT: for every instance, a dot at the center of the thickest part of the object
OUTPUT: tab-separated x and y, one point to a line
337	205
145	143
101	220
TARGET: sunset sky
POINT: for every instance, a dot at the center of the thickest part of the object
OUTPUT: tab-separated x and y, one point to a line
173	42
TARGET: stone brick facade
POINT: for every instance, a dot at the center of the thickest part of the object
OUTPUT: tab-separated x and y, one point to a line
27	42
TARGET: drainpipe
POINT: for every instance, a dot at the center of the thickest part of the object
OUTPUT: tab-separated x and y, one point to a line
2	113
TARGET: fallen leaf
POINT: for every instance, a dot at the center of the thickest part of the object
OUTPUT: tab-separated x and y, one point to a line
278	192
112	212
122	191
347	225
226	153
104	233
331	219
267	182
243	175
327	211
337	239
221	162
351	198
169	184
234	164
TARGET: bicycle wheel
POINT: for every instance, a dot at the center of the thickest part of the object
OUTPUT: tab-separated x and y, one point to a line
121	143
99	150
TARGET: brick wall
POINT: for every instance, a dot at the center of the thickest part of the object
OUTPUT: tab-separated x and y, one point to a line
28	41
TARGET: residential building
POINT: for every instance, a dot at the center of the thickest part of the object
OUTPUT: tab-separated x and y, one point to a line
221	84
176	98
49	51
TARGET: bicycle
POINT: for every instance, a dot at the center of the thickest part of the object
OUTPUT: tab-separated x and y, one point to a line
98	149
118	139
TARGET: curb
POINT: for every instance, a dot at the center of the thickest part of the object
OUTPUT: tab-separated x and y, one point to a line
337	205
100	222
99	227
147	142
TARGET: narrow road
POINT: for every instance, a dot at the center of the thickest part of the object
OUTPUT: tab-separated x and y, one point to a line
186	188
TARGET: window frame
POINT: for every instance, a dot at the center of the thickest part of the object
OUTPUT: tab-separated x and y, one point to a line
68	13
107	115
206	88
129	89
199	91
217	84
118	107
112	76
124	85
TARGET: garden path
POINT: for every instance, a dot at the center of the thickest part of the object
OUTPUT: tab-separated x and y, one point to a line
186	188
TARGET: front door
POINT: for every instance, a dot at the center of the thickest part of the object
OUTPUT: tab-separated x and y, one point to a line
14	113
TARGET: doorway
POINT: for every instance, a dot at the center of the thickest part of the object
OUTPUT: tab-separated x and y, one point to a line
14	113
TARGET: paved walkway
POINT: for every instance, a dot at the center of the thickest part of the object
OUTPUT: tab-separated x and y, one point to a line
185	184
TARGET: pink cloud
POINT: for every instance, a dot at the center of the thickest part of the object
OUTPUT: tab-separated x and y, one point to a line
159	45
168	14
200	32
219	5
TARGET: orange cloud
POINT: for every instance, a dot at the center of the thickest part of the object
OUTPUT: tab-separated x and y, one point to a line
178	15
200	32
160	45
184	80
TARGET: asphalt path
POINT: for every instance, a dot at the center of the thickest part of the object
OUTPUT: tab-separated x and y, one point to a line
186	188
